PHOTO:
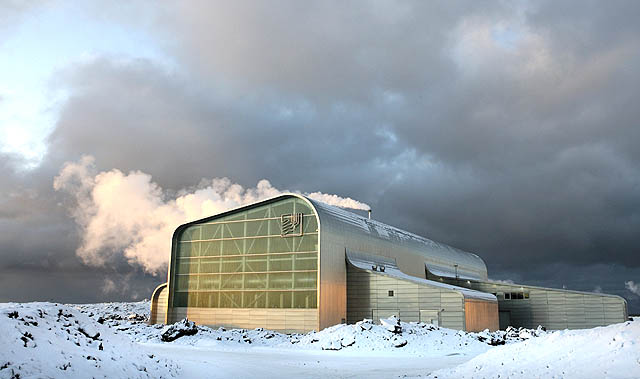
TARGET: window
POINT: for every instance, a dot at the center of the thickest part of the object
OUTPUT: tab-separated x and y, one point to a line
515	295
242	260
390	293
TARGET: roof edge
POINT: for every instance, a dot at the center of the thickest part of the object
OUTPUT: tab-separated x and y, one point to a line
549	289
181	227
363	261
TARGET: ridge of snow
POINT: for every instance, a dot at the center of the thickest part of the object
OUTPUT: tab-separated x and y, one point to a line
603	352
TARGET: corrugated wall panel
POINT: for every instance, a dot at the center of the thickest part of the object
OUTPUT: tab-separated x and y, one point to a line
332	297
158	305
554	308
613	311
368	296
282	320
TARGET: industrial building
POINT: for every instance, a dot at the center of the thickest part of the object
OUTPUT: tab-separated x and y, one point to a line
293	264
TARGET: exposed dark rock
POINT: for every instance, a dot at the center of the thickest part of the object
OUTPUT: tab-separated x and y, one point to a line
179	329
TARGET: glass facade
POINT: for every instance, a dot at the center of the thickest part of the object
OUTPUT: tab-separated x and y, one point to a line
247	260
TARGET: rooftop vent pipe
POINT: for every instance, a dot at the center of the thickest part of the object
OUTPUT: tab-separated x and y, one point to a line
369	214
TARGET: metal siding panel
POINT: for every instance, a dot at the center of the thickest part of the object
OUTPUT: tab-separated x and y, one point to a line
332	301
159	305
409	298
283	320
554	308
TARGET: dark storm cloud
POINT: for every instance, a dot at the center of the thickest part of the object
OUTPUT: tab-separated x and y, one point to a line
326	50
27	218
516	125
581	208
75	285
38	243
506	129
181	132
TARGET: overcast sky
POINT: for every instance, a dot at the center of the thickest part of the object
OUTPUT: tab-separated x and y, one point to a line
509	129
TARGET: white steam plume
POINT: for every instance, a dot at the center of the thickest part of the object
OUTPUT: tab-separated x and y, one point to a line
130	215
633	287
338	201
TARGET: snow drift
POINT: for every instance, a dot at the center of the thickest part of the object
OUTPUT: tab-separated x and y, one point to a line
604	352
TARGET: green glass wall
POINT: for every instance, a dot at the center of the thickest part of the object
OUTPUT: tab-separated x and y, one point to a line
242	261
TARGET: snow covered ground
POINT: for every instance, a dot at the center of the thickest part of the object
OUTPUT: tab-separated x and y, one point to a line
603	352
52	340
113	340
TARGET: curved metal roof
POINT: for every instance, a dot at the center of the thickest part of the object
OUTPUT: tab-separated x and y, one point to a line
440	259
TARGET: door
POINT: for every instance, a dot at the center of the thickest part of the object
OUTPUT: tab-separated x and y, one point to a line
384	313
430	316
505	319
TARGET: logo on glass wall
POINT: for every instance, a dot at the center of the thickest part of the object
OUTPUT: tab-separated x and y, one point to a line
291	225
